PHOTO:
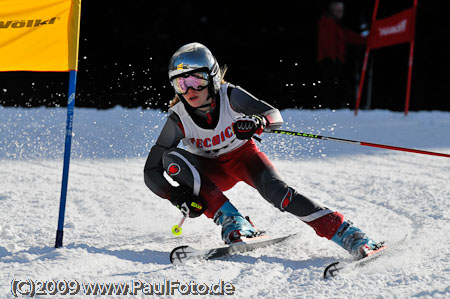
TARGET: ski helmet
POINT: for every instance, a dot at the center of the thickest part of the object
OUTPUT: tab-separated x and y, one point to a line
192	58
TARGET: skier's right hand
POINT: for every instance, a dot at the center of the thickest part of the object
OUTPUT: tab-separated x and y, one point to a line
246	126
189	204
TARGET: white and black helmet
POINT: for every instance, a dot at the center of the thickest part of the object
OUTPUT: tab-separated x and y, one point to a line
195	57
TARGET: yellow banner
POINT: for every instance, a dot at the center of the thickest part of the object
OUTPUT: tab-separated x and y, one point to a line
39	35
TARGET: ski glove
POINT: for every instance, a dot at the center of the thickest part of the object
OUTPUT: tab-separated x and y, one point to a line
246	126
189	204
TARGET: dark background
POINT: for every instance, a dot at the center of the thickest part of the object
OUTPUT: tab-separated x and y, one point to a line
269	48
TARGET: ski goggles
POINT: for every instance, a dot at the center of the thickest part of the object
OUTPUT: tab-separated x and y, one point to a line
197	81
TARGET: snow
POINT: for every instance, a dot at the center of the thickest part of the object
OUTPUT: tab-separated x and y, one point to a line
117	231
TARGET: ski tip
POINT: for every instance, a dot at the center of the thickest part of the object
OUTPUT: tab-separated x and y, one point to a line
178	254
331	270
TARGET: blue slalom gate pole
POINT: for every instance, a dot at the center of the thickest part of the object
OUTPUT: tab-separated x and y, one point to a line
68	144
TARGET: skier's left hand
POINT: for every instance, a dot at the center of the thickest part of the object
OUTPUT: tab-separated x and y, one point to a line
189	204
246	126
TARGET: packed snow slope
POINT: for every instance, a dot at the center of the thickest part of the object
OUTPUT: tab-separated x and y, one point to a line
117	231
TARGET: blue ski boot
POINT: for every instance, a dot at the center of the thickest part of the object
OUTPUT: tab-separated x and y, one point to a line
356	242
234	225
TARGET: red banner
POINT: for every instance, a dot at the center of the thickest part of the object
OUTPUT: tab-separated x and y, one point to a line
396	29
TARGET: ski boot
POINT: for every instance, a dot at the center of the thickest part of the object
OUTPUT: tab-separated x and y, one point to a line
234	225
356	242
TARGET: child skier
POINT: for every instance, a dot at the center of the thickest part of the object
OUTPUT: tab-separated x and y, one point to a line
216	122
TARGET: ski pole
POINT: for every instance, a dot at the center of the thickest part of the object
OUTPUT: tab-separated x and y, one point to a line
176	229
363	143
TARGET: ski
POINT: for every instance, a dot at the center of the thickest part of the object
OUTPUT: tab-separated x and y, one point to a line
183	254
335	268
339	267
